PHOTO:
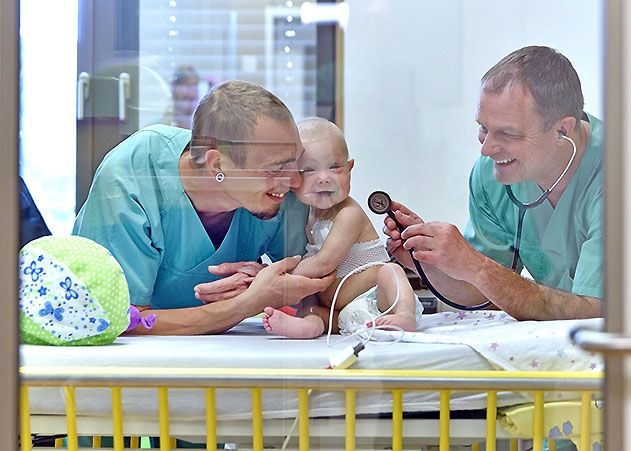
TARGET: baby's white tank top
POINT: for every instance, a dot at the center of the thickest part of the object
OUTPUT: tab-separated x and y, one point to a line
359	254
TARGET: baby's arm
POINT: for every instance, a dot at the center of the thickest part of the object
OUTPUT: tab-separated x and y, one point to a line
347	227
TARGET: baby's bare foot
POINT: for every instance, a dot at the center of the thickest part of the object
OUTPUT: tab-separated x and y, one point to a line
396	321
279	323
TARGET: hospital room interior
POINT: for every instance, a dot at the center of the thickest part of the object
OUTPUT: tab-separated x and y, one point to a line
104	360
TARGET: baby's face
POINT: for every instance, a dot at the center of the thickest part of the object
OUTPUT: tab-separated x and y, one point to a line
326	174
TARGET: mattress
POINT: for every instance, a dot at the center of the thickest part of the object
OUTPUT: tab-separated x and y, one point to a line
476	341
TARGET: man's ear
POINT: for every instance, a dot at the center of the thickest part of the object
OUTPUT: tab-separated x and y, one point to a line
213	161
566	125
350	163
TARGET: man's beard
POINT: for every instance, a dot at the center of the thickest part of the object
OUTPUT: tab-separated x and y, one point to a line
266	214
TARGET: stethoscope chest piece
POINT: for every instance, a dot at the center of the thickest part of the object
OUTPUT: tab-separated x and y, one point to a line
379	202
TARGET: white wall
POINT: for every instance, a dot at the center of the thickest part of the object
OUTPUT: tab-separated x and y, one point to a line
412	71
48	32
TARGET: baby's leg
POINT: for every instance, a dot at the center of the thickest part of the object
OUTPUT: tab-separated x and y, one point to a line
310	322
403	315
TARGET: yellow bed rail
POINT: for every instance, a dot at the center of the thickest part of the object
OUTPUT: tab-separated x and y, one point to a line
397	382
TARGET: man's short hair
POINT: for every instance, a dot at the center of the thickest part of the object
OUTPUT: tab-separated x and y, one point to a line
549	77
229	112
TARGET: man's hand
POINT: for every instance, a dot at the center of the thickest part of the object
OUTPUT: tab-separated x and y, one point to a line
237	278
228	269
442	246
394	244
275	286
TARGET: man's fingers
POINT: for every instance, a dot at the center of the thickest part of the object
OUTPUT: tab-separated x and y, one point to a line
220	286
403	213
227	269
252	268
406	219
286	264
322	283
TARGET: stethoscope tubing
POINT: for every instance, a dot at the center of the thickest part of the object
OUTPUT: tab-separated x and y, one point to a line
429	285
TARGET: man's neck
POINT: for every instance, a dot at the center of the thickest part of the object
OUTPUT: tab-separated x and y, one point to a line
206	195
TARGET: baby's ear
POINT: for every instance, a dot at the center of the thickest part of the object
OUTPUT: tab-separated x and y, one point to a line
350	163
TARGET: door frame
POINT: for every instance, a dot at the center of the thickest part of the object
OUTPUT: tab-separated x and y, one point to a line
618	223
618	228
9	114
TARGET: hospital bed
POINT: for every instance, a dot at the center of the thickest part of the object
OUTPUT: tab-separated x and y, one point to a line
470	379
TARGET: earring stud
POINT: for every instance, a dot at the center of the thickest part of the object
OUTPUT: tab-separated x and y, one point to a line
220	176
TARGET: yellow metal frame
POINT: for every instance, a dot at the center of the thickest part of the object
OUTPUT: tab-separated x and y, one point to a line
397	382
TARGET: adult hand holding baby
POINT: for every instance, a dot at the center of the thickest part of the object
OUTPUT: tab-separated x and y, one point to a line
237	277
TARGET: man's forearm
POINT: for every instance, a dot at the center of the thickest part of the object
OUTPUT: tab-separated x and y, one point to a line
208	319
457	291
521	298
525	299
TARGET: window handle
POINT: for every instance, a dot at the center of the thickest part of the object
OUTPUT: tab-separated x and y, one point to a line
123	95
83	92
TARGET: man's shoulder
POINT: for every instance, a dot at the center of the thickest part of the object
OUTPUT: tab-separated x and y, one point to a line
150	143
159	135
165	131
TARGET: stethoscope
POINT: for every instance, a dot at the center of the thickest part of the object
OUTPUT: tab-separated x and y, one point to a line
379	203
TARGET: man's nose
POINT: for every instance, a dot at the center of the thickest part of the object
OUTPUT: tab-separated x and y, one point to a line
489	147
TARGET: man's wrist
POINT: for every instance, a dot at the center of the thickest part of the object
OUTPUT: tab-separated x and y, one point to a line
484	274
245	305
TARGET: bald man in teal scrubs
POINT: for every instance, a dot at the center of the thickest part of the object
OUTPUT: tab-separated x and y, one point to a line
530	107
188	215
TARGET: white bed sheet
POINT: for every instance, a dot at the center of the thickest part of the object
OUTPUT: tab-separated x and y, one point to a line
447	343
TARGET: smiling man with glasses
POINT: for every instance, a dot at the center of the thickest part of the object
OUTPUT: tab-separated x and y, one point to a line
188	216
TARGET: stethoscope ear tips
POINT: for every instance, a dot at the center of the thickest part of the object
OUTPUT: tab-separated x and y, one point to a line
379	202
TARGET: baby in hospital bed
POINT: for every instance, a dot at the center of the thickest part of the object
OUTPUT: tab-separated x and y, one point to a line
341	239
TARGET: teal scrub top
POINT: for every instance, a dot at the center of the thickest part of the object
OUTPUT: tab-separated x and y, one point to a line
138	209
561	247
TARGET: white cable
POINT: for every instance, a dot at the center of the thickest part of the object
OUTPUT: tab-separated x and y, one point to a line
357	332
569	163
292	428
373	327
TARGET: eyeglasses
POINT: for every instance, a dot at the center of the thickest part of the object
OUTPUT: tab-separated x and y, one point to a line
280	168
209	141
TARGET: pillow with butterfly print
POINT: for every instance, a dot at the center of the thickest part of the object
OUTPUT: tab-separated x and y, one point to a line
72	292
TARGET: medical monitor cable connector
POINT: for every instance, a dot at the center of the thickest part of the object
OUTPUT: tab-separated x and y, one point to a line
379	203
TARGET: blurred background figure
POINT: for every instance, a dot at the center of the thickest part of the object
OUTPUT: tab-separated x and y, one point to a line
185	95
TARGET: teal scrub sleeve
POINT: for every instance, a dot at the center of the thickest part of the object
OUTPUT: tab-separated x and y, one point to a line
114	218
588	278
484	230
